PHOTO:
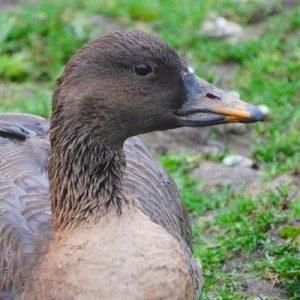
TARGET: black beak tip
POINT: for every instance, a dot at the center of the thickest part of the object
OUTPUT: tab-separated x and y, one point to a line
256	114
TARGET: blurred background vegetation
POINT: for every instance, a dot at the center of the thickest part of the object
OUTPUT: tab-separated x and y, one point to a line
248	237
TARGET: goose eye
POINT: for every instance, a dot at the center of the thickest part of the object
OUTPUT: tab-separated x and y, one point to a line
142	69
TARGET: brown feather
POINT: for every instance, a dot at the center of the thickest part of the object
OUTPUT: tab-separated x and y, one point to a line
25	223
91	215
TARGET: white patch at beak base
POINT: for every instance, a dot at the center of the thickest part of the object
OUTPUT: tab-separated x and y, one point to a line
191	70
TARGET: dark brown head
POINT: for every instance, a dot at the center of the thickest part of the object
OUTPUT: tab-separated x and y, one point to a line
131	82
120	85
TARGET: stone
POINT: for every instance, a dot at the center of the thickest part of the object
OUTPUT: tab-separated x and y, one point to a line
264	109
237	160
212	176
215	26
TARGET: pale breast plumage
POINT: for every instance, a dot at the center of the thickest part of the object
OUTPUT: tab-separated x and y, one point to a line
25	220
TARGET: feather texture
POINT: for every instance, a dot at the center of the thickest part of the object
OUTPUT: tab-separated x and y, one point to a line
25	218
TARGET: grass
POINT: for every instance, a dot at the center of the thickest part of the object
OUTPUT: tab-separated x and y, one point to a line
245	236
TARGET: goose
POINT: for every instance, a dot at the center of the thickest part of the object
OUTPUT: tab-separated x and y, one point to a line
85	210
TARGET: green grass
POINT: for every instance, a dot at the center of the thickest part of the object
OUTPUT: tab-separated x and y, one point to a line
259	235
249	233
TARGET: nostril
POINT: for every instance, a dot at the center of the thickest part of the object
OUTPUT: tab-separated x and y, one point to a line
212	96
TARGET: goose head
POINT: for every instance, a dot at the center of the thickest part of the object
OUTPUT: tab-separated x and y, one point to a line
120	85
131	82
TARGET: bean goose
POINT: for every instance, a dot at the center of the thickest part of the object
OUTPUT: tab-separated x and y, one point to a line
85	211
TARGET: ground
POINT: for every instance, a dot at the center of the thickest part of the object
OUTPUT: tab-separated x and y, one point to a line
246	219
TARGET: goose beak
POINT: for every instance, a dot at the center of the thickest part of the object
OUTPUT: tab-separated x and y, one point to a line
207	105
